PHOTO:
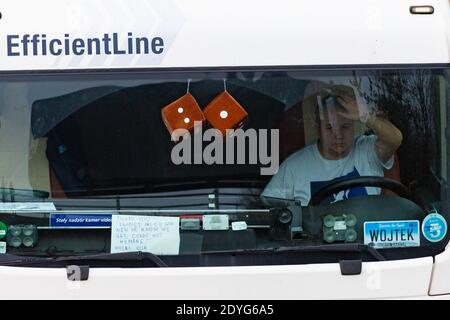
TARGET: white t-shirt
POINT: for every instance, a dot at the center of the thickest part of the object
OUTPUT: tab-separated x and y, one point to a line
307	171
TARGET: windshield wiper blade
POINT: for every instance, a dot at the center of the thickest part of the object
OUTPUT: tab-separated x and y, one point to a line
340	247
124	256
11	259
106	257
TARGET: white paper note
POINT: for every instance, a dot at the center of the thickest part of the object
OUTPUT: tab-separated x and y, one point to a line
158	235
239	225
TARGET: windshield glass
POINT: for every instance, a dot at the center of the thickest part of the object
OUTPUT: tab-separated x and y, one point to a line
207	162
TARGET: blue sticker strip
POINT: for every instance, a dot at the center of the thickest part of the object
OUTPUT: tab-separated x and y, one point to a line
80	220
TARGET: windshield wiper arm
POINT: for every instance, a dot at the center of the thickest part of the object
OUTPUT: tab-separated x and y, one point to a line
124	256
341	247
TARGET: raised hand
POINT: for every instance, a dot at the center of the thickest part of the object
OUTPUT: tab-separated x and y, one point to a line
352	109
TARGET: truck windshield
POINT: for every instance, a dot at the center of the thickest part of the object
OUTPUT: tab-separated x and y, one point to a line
233	166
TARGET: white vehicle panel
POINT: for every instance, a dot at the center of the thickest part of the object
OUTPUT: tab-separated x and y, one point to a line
234	33
390	279
440	282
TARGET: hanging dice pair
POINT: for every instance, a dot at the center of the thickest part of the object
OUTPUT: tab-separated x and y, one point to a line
182	114
222	113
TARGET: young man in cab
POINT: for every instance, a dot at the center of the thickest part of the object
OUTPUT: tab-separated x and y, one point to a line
338	154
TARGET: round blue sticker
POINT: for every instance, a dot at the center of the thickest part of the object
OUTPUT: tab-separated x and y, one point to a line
434	227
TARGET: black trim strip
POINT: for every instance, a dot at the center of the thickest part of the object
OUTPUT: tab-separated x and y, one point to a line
138	70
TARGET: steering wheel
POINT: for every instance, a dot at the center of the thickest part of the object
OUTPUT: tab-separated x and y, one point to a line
365	181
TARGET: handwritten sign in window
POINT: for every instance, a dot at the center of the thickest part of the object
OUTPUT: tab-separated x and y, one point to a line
158	235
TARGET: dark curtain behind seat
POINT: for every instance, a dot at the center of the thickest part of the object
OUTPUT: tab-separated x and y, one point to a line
119	139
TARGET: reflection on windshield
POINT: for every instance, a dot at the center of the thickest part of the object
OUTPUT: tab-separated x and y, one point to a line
229	162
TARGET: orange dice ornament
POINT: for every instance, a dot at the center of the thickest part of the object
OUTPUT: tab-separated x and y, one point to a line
224	112
181	114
